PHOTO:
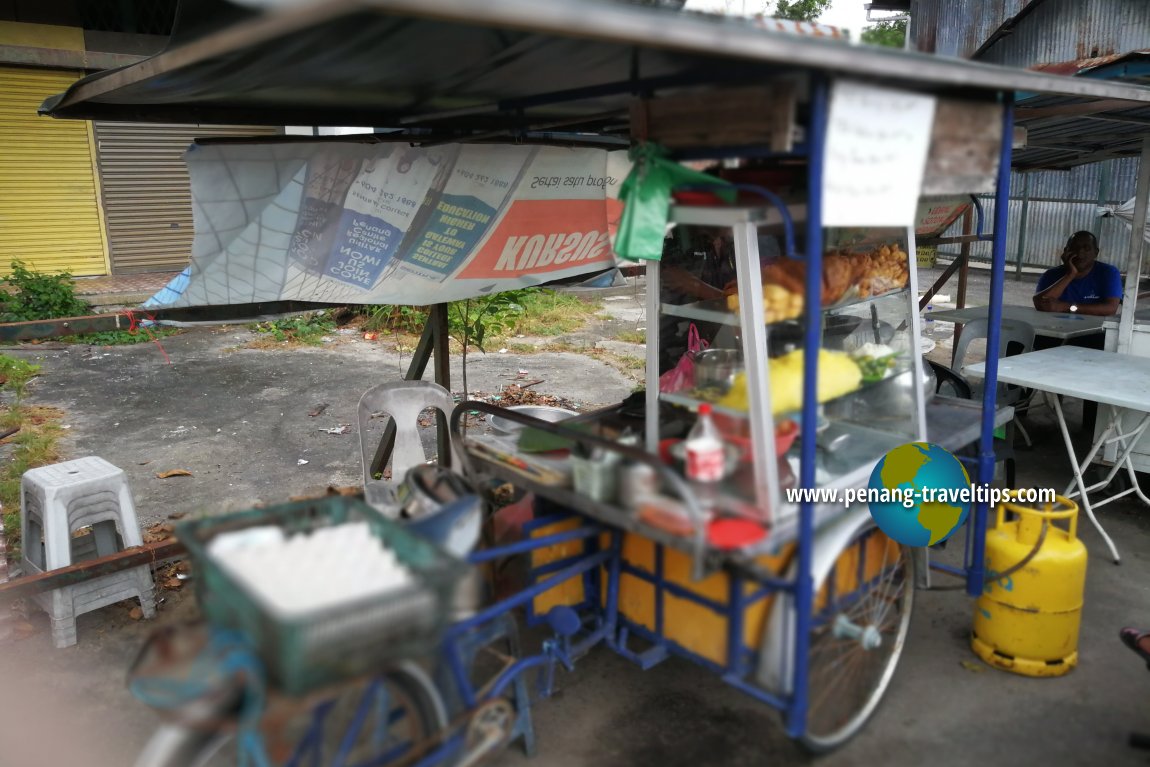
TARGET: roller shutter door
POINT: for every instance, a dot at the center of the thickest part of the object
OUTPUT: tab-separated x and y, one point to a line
49	206
146	191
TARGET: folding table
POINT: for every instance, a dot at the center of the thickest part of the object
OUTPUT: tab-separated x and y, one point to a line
1120	382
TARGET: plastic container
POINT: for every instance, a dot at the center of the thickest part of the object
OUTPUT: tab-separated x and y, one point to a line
332	644
596	478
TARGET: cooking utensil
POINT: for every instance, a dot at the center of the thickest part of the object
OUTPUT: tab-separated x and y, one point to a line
542	412
717	368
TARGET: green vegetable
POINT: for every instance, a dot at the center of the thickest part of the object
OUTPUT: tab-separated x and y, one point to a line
875	368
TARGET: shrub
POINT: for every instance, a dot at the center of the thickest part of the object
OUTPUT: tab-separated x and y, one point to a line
30	295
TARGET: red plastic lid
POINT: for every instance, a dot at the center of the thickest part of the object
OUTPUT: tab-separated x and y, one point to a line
734	532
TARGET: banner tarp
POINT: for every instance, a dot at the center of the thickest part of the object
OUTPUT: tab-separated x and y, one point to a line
391	224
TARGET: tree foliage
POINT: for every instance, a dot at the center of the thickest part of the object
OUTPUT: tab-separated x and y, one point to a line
891	34
800	10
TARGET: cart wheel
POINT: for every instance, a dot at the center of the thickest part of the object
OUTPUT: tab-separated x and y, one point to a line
317	734
860	627
864	592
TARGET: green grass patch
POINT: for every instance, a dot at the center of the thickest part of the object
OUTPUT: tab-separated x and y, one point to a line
632	336
630	362
122	337
550	313
35	445
302	330
529	312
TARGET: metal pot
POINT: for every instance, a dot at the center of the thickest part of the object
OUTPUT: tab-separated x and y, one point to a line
717	367
892	398
896	394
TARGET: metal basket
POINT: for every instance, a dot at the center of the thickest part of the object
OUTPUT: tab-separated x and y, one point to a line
332	644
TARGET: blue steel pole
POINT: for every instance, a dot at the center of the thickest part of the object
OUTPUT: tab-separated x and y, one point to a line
976	574
797	716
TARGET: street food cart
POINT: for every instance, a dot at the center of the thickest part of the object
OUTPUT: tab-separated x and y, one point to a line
775	595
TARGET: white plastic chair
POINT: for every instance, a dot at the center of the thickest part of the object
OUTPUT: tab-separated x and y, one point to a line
403	401
1015	337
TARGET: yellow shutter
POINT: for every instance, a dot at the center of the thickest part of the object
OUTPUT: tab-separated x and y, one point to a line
50	214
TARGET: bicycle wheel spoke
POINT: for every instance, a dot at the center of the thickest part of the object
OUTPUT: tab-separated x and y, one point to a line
847	678
882	572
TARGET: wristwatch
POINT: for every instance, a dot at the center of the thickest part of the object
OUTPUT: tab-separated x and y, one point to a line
1073	307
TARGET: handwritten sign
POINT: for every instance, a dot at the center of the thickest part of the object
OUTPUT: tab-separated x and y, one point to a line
877	140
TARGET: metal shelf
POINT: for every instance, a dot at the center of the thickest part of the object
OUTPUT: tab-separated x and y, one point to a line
728	215
692	403
715	310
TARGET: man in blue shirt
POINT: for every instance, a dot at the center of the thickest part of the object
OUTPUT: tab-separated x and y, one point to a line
1083	284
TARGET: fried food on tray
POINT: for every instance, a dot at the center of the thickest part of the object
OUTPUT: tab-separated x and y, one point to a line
883	269
880	270
838	276
786	273
778	303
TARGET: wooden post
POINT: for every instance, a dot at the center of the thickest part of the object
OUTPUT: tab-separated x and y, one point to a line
960	299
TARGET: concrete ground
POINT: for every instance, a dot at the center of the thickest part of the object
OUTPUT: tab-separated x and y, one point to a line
238	420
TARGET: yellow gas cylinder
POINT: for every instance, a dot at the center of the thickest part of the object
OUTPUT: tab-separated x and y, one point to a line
1027	618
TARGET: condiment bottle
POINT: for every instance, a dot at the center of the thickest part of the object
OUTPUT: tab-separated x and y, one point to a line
705	458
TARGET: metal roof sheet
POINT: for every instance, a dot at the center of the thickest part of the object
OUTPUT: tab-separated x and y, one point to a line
463	65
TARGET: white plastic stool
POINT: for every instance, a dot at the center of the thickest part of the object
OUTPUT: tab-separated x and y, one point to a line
55	502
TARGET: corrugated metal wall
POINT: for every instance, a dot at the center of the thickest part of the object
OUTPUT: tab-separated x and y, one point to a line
959	27
1049	32
49	207
1053	214
1060	31
146	191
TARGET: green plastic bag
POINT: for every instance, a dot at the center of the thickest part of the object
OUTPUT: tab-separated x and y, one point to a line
646	196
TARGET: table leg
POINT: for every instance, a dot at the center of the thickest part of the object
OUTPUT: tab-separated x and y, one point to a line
1077	468
1127	440
1112	427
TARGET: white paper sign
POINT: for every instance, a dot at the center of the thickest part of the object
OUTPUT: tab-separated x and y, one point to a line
877	140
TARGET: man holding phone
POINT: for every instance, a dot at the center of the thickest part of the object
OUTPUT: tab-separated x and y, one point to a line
1083	284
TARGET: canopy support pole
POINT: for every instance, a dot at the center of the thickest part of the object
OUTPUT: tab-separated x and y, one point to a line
963	274
441	341
434	339
1134	256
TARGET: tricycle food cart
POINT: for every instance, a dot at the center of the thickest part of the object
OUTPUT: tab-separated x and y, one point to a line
809	612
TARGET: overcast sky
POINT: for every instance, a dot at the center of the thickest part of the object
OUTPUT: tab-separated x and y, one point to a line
847	14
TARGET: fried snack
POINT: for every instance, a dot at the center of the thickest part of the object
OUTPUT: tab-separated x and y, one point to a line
838	276
781	304
778	303
787	274
886	269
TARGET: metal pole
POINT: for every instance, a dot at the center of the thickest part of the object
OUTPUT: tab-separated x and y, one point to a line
804	596
1022	216
654	318
1134	256
442	342
1103	194
415	371
976	573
